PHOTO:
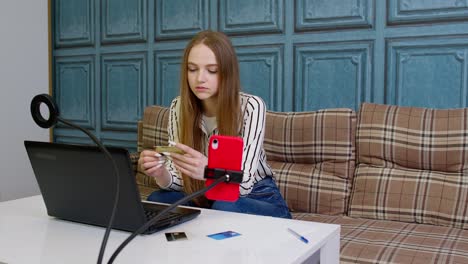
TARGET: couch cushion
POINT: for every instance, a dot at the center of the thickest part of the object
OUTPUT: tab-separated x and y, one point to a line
413	165
152	131
379	241
313	156
154	128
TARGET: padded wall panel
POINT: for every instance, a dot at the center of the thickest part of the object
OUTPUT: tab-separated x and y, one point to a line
180	18
73	140
167	73
128	144
419	69
251	16
74	89
123	90
414	11
332	75
297	55
261	70
123	20
74	23
333	14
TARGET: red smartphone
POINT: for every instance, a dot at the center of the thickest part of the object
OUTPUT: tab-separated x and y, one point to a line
224	152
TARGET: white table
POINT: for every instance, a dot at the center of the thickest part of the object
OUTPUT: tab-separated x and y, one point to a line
29	235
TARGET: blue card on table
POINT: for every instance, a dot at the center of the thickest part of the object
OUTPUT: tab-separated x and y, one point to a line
224	235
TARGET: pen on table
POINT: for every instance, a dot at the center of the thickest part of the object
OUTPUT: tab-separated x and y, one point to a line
303	239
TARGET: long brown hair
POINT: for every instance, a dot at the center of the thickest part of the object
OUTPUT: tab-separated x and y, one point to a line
228	107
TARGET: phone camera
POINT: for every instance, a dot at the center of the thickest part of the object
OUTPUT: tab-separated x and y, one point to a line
214	144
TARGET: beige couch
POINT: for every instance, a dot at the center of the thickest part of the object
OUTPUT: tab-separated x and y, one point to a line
394	178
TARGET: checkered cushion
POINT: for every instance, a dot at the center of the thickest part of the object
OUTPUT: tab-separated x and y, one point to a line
413	165
154	128
313	156
152	131
379	241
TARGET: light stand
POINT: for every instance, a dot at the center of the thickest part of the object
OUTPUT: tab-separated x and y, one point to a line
54	117
218	174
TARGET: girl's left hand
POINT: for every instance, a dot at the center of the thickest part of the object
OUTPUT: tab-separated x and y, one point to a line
192	163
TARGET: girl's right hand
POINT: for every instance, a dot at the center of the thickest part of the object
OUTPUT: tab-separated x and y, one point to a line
152	163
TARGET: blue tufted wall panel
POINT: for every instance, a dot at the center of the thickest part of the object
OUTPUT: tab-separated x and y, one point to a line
114	57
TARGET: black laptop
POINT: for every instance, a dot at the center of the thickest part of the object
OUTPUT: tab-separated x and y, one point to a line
78	184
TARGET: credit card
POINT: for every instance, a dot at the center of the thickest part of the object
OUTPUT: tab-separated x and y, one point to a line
169	149
175	236
224	235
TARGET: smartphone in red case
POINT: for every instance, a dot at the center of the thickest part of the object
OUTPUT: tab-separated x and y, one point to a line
224	152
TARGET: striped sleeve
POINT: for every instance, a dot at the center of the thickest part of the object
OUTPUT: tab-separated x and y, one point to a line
253	134
173	134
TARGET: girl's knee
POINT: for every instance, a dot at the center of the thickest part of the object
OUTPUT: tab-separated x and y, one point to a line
225	206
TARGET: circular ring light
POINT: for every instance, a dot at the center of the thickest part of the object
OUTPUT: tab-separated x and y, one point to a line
36	112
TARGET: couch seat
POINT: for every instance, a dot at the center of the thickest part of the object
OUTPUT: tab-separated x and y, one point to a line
379	241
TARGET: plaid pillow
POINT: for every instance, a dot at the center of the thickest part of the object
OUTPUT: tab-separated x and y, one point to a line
152	131
413	165
313	157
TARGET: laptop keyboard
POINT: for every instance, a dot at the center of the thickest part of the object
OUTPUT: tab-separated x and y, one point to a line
168	216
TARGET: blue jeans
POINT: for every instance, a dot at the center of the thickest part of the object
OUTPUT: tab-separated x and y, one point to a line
264	199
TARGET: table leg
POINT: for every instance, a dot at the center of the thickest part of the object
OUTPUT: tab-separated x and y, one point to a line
330	252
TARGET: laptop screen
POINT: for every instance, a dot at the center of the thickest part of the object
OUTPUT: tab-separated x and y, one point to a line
78	184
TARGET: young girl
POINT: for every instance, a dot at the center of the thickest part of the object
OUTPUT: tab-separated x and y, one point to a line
210	102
